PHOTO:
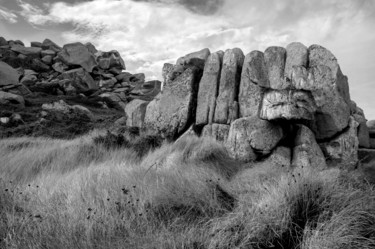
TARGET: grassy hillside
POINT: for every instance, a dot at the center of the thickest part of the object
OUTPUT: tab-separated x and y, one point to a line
95	192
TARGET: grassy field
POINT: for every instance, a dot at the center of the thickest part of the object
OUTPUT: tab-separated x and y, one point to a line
96	193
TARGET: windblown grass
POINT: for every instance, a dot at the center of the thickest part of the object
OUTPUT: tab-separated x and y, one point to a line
190	194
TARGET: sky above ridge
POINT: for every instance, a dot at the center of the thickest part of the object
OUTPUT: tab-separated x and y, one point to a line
149	33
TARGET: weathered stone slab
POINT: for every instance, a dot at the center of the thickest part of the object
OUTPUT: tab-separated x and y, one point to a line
306	151
208	89
226	109
80	79
275	63
342	151
77	54
296	56
253	78
251	136
135	112
173	111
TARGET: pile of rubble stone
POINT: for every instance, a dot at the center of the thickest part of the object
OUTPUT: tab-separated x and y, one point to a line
74	69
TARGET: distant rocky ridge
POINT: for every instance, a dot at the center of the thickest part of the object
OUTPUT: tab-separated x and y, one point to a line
70	70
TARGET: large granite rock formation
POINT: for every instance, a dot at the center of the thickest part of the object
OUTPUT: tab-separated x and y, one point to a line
295	98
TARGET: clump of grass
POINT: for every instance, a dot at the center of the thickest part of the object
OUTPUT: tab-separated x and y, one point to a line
110	141
140	143
187	194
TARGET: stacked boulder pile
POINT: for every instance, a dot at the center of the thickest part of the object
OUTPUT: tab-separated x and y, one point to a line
287	106
74	69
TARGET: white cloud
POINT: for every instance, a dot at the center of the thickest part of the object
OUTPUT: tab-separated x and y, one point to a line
7	15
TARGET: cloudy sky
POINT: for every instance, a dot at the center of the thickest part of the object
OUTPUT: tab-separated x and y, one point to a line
149	33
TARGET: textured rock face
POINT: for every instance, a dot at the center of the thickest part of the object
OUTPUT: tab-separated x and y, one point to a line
112	59
287	104
167	73
10	98
28	51
306	151
332	115
226	109
8	75
254	76
135	112
343	150
77	54
332	93
208	89
296	57
217	131
305	84
363	130
50	45
251	136
63	107
80	79
275	63
173	111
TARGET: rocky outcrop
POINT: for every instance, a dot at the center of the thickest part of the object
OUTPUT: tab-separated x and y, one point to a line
226	109
295	98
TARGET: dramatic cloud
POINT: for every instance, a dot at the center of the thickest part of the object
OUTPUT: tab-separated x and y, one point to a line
203	7
7	15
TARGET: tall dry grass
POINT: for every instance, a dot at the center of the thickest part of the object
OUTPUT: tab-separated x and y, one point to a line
189	194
